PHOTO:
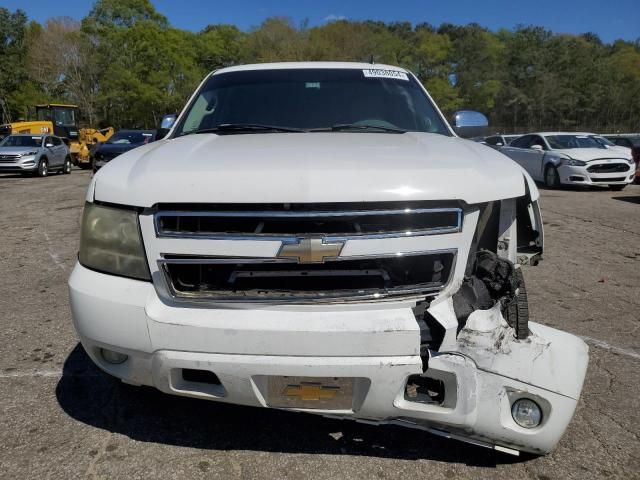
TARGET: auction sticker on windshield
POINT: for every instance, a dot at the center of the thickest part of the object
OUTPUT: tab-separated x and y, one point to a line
382	73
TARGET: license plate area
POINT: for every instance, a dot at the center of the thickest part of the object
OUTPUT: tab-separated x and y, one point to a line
310	393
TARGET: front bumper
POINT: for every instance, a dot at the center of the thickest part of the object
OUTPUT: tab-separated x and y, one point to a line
377	344
572	175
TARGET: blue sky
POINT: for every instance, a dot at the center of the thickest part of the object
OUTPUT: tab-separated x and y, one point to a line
611	20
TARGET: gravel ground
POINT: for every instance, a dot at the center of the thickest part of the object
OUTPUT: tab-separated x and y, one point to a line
62	418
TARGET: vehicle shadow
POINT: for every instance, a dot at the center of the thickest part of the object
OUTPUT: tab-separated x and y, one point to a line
90	396
631	199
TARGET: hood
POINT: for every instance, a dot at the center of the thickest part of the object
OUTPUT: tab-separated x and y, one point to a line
588	154
308	167
619	149
17	150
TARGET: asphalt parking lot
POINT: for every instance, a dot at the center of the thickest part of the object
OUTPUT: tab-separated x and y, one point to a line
62	418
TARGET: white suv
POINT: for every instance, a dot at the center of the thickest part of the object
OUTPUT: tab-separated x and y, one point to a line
315	237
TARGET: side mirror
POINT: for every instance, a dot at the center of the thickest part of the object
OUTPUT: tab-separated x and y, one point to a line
48	145
165	125
536	147
499	144
468	123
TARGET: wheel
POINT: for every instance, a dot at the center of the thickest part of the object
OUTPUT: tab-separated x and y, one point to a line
617	188
67	166
43	168
551	177
516	312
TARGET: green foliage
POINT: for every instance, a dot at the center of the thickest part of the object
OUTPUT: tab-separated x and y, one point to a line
125	13
14	80
126	66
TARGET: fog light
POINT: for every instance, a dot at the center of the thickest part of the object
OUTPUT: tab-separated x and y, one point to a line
112	357
526	413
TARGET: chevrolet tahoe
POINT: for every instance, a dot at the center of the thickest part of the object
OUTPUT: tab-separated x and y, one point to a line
316	237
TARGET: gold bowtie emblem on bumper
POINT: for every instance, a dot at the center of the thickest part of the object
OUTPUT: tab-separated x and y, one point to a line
311	391
310	250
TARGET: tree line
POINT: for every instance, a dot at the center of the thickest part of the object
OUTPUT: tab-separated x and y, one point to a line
126	66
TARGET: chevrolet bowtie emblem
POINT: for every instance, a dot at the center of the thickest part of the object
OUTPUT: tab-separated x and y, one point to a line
310	250
311	391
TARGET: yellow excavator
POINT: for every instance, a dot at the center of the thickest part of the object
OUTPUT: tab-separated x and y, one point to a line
61	120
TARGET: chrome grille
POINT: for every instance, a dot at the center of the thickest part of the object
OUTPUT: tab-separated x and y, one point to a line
5	158
311	264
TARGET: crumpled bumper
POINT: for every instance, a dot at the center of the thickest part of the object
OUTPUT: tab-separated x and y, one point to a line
375	344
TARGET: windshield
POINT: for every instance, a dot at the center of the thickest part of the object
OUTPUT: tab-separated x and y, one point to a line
64	116
309	99
21	141
603	141
130	138
562	142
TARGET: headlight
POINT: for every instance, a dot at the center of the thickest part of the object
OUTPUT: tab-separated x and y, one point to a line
572	162
110	242
28	154
526	413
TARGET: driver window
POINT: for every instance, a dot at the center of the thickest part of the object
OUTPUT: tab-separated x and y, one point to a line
522	142
537	141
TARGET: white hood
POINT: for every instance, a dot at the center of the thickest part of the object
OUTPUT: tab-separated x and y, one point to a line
588	154
308	167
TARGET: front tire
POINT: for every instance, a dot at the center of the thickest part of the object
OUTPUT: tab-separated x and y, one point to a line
551	177
516	313
67	166
43	168
617	188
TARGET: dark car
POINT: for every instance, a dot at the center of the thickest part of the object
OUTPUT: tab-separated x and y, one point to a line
120	142
628	140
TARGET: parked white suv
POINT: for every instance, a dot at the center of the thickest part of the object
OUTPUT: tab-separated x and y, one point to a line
572	159
314	237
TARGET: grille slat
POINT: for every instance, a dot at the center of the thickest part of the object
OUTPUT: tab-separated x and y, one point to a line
407	221
608	180
609	168
273	279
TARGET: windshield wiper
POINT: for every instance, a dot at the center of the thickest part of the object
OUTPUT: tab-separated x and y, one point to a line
358	126
244	128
